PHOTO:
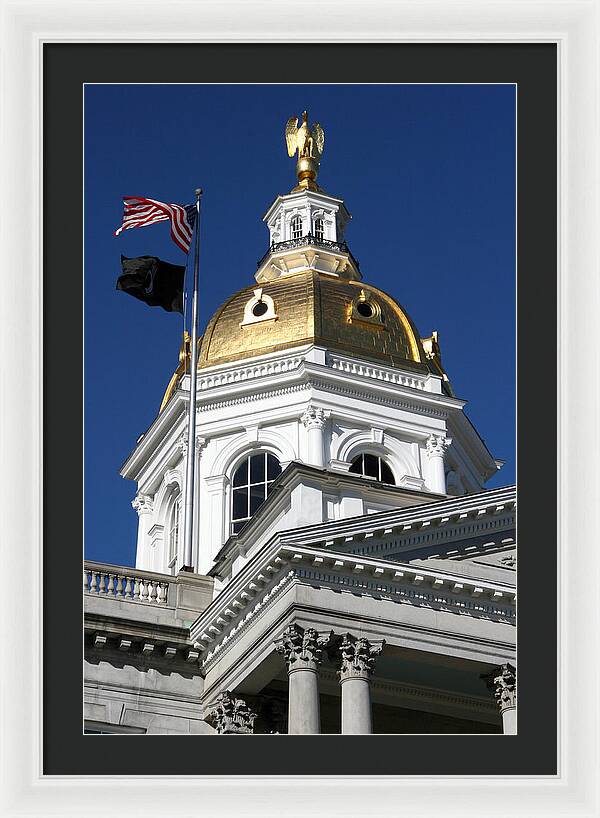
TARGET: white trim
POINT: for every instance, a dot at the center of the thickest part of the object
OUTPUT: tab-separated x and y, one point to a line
574	25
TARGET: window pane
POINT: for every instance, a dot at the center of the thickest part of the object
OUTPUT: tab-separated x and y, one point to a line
386	474
273	467
257	468
237	526
371	467
240	503
240	478
257	497
357	467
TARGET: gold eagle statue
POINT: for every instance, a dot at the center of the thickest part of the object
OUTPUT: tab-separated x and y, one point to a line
309	143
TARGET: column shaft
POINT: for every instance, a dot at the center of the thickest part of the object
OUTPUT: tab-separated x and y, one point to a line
436	447
509	721
438	476
315	446
303	710
356	705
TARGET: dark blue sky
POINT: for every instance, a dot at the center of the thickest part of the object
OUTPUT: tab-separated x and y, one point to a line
428	173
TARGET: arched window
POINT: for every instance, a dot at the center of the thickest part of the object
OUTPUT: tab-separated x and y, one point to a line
173	533
371	465
297	227
251	485
319	230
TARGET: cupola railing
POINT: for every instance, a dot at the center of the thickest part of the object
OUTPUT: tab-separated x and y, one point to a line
303	241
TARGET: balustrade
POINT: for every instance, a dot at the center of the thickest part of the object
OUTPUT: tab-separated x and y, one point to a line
133	585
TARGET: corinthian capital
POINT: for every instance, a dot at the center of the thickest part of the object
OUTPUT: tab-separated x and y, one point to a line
503	683
313	417
182	444
437	445
142	503
230	716
358	657
302	649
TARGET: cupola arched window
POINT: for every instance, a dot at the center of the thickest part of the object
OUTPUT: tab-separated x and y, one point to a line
173	532
319	229
251	485
296	227
371	465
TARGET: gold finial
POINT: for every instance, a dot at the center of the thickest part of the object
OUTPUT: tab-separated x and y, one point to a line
309	143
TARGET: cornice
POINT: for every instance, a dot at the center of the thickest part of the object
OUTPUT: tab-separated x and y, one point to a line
276	566
308	374
437	512
253	396
155	643
452	516
319	196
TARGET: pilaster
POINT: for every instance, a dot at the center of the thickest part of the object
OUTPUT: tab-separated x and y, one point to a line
144	505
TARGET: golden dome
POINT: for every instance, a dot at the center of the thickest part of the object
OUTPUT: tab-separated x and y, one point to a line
310	308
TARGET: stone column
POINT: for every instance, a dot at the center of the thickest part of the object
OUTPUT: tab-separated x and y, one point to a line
314	419
436	447
230	716
144	505
303	651
358	661
503	683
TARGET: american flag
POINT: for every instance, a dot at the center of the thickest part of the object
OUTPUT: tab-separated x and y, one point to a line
140	212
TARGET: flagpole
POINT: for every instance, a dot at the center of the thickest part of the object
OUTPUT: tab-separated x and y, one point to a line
188	564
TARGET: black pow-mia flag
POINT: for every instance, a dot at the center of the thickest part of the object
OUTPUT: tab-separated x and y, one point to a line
156	282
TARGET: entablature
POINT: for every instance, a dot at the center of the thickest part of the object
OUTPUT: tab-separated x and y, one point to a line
278	566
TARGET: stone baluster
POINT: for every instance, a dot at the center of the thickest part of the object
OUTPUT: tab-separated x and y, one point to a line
86	579
143	589
357	663
303	651
314	419
230	716
436	447
101	582
503	683
163	593
110	584
136	587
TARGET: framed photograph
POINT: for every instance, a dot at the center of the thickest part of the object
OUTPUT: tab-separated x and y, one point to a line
322	544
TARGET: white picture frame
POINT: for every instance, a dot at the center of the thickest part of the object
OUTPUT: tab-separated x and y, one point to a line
574	26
